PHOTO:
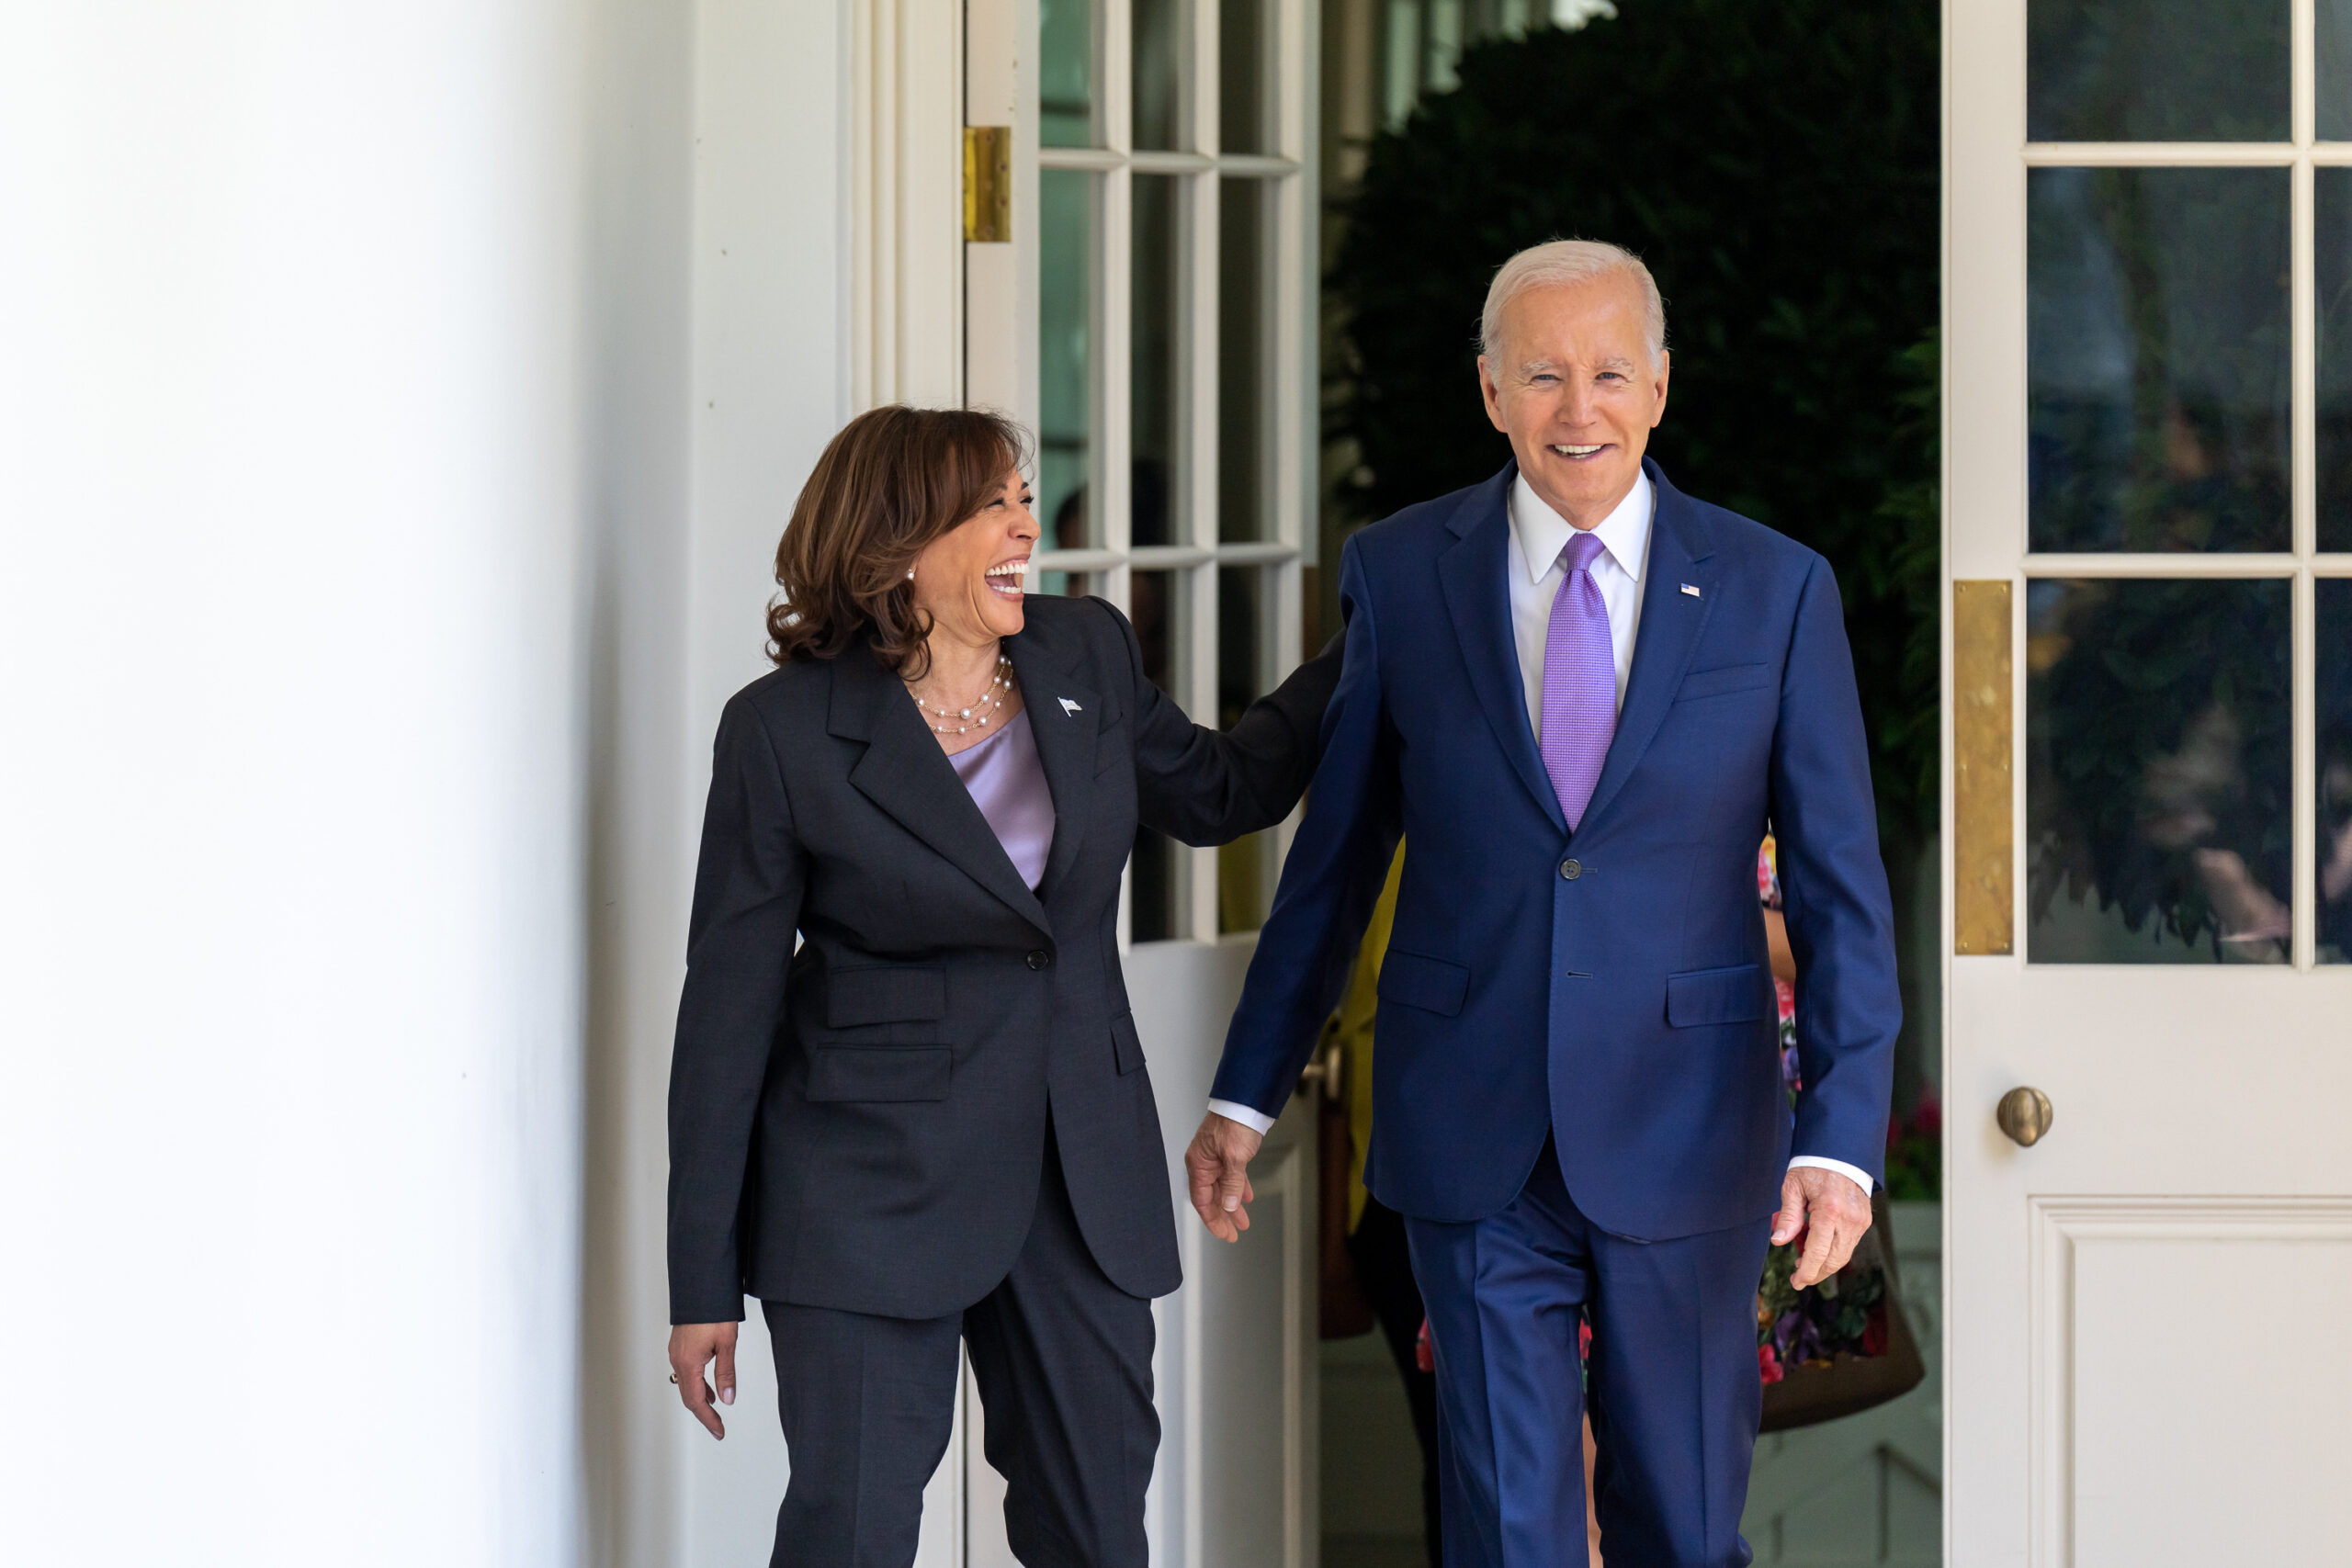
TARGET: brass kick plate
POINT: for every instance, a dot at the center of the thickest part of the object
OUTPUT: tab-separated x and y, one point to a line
988	184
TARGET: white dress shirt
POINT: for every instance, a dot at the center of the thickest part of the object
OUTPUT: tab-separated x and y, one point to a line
1533	572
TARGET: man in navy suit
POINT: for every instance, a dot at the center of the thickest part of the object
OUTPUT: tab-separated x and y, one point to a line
1584	697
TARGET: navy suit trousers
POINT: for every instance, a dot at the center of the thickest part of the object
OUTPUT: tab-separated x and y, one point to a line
1674	1391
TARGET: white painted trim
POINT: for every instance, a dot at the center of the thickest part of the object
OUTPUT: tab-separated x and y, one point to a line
906	203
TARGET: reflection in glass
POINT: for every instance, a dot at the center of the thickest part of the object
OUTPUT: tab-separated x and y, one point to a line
1159	45
2157	359
1157	897
2333	627
2157	70
2335	70
1244	638
2332	277
1154	389
1244	124
1066	356
1066	74
1241	401
2158	795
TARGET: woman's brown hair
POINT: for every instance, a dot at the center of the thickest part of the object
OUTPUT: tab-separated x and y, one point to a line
893	480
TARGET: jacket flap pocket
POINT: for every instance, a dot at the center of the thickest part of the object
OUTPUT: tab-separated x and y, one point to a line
1430	984
879	1072
1717	682
1738	995
1126	1045
884	995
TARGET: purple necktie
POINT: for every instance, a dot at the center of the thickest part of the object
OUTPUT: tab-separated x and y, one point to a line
1579	682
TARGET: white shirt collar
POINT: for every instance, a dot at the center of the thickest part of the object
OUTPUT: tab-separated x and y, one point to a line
1541	534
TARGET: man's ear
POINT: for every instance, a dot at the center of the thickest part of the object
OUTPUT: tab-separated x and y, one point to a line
1492	395
1665	369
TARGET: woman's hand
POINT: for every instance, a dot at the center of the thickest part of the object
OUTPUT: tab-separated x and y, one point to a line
692	1346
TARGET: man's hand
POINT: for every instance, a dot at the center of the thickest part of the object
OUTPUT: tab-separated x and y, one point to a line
1829	1211
692	1346
1217	1163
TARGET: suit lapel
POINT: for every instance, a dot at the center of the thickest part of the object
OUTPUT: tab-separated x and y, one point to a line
1471	576
904	773
1064	714
1666	637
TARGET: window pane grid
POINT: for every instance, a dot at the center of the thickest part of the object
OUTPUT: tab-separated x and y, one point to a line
1177	490
2318	36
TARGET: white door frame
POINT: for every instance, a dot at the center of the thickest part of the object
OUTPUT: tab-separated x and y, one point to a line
2194	1103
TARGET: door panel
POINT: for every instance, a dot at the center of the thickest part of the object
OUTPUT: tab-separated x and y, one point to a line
2136	384
2114	1281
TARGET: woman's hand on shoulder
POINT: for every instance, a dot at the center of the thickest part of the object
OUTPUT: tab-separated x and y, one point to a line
694	1346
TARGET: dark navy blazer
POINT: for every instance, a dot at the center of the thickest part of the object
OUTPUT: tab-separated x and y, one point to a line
1611	986
861	1123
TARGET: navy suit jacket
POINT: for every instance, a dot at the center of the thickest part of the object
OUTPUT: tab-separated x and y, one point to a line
1611	986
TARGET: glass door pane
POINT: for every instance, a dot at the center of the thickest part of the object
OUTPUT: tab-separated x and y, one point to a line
2158	359
1156	394
2157	70
2159	793
1066	199
1242	363
2332	277
2333	629
1066	74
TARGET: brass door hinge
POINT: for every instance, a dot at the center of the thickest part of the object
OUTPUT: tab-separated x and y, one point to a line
988	184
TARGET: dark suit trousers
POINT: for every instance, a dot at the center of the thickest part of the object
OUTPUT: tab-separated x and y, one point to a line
1063	1361
1674	1391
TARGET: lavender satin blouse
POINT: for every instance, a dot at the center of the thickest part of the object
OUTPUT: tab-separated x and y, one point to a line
1007	781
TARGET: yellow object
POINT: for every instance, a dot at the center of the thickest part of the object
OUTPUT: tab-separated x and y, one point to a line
1351	1027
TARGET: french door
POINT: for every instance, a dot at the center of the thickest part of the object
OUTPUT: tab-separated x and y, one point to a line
1140	292
2149	898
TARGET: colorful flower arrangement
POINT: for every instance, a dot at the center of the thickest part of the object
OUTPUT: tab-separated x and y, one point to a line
1845	1314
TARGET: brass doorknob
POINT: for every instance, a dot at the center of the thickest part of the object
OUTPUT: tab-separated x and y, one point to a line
1326	1073
2024	1114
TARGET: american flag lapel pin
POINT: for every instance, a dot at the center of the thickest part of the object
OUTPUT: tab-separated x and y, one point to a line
1692	589
1068	705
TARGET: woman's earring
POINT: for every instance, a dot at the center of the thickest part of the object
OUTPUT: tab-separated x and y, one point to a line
911	574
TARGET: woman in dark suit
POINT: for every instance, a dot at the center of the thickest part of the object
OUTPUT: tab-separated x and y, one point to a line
930	1121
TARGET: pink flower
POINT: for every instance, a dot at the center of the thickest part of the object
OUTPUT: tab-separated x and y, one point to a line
1927	1120
1769	1365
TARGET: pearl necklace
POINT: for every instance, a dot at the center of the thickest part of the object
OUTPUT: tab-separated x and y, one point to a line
981	710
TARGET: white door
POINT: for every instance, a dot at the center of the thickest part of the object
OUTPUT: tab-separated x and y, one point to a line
1143	300
2149	505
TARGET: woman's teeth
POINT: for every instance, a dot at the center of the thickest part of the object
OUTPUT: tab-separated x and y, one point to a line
1006	578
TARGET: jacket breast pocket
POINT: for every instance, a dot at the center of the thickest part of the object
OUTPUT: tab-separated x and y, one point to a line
1415	980
1701	997
879	1072
1723	681
1126	1045
884	994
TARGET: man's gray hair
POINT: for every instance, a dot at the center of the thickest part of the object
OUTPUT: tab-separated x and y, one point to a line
1570	261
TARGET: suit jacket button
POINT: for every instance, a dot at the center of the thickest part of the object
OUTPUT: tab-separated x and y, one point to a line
1038	959
1570	870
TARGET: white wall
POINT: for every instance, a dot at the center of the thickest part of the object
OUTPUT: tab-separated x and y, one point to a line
386	471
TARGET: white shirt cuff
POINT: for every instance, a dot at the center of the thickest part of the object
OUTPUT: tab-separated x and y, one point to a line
1854	1174
1258	1121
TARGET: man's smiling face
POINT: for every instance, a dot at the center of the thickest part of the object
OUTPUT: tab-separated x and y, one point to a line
1572	383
